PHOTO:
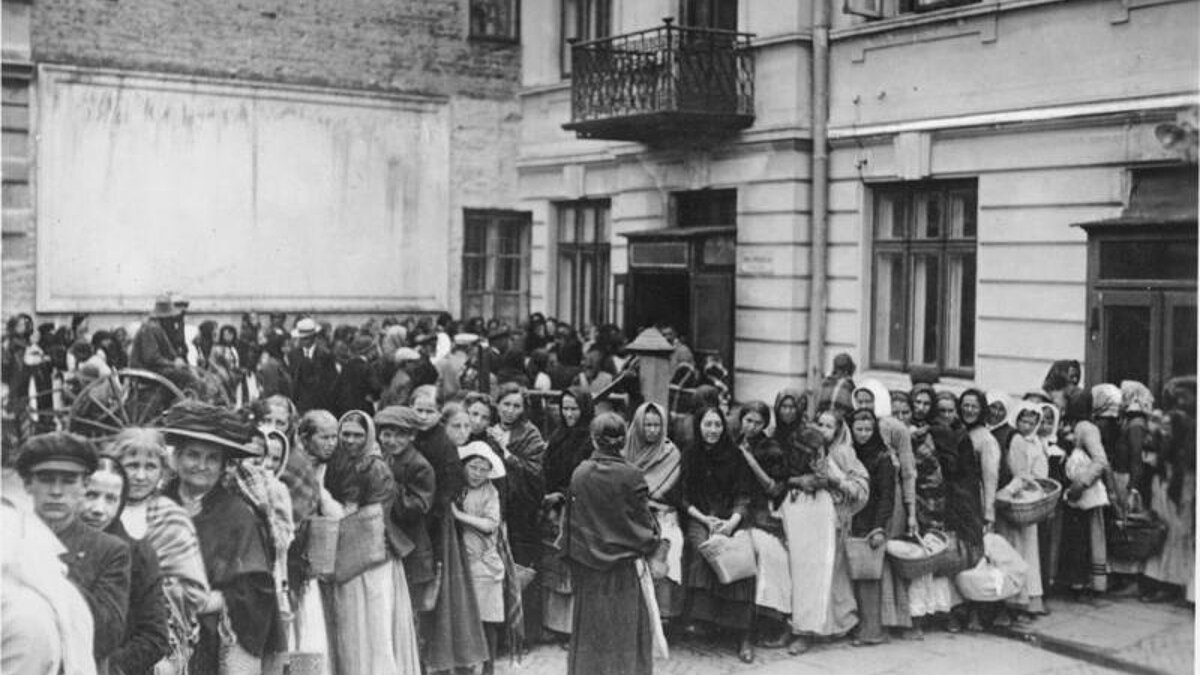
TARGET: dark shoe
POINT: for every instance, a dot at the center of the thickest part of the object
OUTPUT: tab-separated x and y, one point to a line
746	650
779	641
1003	619
953	625
973	623
798	646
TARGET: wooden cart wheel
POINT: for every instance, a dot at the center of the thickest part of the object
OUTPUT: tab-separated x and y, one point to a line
127	398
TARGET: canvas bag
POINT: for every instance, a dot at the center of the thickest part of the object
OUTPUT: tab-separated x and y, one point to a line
360	543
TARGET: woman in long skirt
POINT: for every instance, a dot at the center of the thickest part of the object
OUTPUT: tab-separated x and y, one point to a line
1026	463
1171	572
609	529
823	498
373	628
1083	565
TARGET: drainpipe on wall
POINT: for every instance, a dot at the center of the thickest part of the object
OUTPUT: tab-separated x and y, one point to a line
818	251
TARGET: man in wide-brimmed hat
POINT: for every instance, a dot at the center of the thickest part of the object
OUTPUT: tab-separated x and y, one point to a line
152	348
234	541
55	468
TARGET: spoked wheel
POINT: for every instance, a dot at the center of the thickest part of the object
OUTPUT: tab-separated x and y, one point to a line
127	398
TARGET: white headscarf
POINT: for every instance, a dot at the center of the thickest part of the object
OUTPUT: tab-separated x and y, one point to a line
883	398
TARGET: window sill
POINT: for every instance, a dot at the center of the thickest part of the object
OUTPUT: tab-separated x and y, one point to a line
898	379
495	40
916	20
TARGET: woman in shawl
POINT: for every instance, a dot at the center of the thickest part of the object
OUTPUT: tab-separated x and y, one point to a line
1170	574
240	625
773	585
1026	463
523	451
1001	421
717	486
372	631
872	395
1084	562
569	445
962	486
649	450
150	517
452	633
145	640
872	521
1137	404
609	529
791	414
827	485
973	410
1050	530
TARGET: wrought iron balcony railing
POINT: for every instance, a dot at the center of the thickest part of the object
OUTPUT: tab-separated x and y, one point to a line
662	82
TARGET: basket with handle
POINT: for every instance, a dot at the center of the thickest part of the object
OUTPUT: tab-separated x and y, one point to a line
1031	512
865	563
1135	537
914	568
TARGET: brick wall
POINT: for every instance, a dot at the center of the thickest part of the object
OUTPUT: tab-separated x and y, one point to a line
406	46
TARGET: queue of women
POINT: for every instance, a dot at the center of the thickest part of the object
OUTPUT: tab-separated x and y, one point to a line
435	535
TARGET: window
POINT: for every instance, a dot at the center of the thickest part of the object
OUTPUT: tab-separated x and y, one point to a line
700	208
879	9
924	277
494	19
495	274
583	269
583	20
719	14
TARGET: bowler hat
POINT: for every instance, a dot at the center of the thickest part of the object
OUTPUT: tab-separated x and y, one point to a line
58	451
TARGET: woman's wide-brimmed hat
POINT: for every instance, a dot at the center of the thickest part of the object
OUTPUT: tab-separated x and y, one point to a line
482	449
212	424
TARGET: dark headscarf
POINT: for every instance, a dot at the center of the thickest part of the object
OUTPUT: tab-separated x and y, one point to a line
1079	407
924	387
867	452
568	446
983	408
713	472
783	431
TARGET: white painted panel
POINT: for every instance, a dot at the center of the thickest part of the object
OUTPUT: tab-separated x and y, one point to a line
844	293
846	227
1028	339
768	19
599	180
1039	223
762	162
773	228
780	196
1091	185
845	261
1019	375
845	195
767	260
781	86
1033	300
639	203
769	357
199	185
752	386
791	326
845	327
1045	262
540	40
764	292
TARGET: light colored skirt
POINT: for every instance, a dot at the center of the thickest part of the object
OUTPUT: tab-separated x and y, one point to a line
1175	563
374	630
1024	538
929	595
822	596
774	587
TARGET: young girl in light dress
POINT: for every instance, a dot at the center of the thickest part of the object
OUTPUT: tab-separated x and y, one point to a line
478	510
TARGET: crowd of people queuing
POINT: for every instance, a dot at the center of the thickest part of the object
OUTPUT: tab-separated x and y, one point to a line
363	500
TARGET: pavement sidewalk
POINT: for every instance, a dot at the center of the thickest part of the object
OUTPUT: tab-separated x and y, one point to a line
1118	632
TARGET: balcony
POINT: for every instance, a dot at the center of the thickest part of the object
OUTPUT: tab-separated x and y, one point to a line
661	84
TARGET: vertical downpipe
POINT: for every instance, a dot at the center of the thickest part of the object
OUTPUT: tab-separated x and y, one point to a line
819	288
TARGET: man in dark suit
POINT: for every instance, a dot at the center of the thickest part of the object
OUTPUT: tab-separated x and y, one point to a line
54	468
313	369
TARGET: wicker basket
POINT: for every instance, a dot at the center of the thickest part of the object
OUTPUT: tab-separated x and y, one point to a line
866	563
914	568
1032	513
1135	538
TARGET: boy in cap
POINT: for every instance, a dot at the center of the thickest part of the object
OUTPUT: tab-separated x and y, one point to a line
407	533
55	468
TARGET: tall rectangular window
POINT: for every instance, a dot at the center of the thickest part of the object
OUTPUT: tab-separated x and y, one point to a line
719	14
583	20
923	290
583	262
494	19
495	271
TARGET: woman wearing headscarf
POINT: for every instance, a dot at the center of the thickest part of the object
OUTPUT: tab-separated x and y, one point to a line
872	395
1106	415
827	485
145	640
1050	530
609	528
872	521
973	410
773	584
240	625
149	516
791	414
1132	438
717	488
372	631
1026	463
569	445
1001	422
962	486
1171	572
1084	562
648	449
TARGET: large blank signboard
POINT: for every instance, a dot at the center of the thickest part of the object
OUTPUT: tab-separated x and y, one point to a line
240	196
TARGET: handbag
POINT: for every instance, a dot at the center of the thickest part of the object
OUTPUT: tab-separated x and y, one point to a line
360	544
731	558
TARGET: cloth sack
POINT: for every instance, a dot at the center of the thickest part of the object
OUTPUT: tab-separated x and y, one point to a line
1095	494
731	557
360	543
999	575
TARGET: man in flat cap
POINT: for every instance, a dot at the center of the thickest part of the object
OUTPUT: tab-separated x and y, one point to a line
55	468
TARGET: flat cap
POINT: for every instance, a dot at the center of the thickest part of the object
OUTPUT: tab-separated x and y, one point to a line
58	451
399	416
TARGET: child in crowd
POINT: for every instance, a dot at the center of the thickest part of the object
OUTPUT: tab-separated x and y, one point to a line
478	509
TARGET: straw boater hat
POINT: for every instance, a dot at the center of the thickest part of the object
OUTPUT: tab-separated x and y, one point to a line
211	424
481	449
